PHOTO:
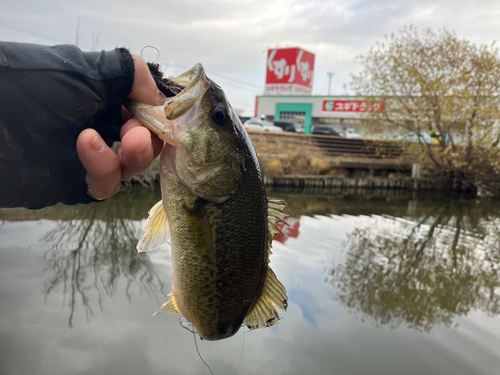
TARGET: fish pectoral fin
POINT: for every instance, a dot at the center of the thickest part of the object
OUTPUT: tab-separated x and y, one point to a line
168	307
275	214
264	312
156	232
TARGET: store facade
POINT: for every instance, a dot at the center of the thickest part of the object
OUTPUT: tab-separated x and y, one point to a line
339	112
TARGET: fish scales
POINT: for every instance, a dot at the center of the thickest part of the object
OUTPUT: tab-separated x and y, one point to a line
218	289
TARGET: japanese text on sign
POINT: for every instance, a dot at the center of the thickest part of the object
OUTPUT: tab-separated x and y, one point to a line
289	69
287	89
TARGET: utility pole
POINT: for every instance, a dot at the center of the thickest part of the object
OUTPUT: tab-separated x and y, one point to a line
330	75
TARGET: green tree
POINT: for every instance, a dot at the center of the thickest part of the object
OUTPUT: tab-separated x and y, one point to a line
437	84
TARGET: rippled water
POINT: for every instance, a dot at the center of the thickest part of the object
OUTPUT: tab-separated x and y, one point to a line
379	284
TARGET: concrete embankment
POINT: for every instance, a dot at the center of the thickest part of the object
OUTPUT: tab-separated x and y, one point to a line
325	162
289	159
341	182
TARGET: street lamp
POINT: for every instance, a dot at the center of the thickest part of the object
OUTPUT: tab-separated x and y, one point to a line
330	75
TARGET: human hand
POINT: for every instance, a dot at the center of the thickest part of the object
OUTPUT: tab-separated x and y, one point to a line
107	168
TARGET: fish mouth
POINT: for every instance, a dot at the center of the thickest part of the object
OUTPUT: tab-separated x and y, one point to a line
182	110
165	120
188	79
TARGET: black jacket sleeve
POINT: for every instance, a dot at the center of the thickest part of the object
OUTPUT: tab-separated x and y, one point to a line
48	96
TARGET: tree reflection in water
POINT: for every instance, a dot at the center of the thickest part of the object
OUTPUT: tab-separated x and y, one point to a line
89	257
423	272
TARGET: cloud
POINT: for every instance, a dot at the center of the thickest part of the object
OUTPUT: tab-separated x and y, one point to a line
230	37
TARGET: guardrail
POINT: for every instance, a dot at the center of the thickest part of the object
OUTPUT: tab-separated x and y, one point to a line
278	143
339	146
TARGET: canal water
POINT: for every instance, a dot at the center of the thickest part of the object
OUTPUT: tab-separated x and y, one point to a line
378	283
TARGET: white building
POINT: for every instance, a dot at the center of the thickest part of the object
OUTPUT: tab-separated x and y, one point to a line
340	112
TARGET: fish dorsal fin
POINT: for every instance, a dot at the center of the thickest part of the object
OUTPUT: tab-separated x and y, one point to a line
275	214
264	313
156	232
168	307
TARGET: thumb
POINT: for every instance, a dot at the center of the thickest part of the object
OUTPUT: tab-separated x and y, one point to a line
144	89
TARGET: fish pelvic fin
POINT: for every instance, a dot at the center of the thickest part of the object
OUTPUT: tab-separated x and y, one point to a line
156	231
168	307
264	312
275	214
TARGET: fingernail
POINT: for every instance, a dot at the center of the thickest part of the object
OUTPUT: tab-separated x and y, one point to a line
97	144
147	150
161	96
89	191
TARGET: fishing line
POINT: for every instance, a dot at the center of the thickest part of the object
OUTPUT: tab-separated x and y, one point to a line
242	350
196	345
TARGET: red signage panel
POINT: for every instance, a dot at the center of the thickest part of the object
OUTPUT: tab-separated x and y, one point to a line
354	105
289	71
289	231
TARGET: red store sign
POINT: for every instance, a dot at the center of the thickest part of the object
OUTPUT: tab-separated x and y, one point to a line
290	229
352	106
289	71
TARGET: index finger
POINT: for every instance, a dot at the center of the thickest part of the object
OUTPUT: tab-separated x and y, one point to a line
144	89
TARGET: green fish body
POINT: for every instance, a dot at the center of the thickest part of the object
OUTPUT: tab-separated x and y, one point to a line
215	211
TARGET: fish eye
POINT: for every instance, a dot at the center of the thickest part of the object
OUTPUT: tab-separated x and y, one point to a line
220	115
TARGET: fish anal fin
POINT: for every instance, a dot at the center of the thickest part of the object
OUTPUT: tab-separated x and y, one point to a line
264	312
156	231
168	307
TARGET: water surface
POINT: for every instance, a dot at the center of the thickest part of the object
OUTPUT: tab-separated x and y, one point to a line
379	283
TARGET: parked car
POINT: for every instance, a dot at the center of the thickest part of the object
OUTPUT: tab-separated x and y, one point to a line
325	130
436	137
289	126
412	137
261	125
352	134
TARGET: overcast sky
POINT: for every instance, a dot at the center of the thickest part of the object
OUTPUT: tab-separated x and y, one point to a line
230	38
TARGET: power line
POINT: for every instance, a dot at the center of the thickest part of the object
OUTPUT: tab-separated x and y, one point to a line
248	86
236	105
251	87
35	33
237	81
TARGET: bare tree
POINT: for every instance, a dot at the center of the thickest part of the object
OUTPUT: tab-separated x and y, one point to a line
434	84
77	36
95	40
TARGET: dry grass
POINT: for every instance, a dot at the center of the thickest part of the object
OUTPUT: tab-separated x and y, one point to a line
272	167
294	163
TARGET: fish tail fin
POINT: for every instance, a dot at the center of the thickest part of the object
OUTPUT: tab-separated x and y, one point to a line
156	231
264	312
168	307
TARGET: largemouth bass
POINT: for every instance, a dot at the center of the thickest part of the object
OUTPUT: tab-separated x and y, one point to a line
215	212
